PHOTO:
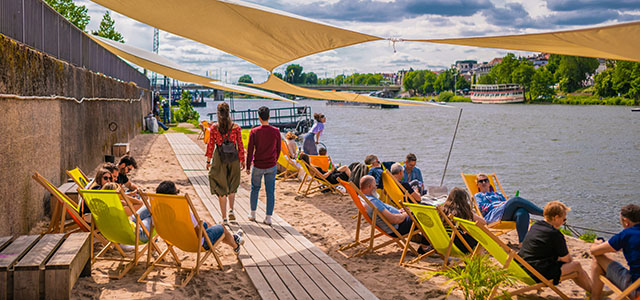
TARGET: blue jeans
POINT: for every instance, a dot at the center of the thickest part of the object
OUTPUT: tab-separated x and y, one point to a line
269	185
214	232
518	209
145	216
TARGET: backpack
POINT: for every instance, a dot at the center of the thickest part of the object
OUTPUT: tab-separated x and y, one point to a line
228	150
358	170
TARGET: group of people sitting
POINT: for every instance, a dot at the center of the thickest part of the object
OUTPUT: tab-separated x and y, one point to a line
542	245
112	176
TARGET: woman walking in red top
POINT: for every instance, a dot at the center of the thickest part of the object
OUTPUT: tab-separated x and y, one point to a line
224	171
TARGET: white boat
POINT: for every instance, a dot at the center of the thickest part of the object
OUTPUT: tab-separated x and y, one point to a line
497	93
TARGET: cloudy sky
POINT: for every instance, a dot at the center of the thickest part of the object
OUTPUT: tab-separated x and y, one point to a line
388	18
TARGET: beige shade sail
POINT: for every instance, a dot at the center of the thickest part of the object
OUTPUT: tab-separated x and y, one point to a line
159	64
276	84
261	35
620	42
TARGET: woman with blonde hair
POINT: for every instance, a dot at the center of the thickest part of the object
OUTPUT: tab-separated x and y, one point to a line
225	159
290	140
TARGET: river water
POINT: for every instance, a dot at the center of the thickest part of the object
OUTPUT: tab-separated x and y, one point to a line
585	156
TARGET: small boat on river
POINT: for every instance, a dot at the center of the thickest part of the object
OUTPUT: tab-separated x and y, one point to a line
497	93
635	109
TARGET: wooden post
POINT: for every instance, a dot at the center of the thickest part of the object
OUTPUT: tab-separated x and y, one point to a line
66	265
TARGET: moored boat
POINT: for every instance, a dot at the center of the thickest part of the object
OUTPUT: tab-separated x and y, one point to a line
497	93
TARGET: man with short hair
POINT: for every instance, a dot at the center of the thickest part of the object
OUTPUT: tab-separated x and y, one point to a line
375	170
264	143
629	241
412	174
396	171
125	165
545	248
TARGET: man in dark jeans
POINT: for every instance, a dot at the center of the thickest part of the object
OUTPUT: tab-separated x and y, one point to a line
263	150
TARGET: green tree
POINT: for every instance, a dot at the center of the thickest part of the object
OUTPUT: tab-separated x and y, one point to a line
311	78
603	84
294	74
108	29
245	78
77	15
276	74
429	81
541	83
444	82
339	79
407	82
462	83
487	79
523	74
185	111
573	70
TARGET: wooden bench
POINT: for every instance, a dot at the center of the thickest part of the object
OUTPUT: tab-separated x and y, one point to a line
47	266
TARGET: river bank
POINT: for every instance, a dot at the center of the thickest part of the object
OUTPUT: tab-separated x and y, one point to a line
324	219
564	99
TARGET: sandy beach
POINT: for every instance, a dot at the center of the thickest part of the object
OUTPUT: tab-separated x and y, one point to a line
325	219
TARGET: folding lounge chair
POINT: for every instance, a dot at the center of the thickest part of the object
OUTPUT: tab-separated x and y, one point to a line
620	294
472	187
430	223
65	205
291	170
245	137
358	198
506	256
322	161
79	178
109	217
313	175
204	126
171	215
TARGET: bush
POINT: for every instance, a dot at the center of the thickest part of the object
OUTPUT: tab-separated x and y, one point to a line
588	236
459	98
445	96
185	109
477	279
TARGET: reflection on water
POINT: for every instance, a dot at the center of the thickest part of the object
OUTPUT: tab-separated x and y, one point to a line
586	156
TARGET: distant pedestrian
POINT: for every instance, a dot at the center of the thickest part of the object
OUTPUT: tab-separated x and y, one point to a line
165	111
225	159
312	138
263	151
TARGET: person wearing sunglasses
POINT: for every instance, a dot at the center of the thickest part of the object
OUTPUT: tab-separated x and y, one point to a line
312	138
103	176
495	207
545	248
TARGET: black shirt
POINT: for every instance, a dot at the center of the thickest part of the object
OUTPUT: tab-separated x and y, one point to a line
122	178
407	187
541	248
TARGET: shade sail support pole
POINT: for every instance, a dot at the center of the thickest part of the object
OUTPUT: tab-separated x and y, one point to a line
444	172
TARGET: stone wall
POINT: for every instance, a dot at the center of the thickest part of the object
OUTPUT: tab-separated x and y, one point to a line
49	134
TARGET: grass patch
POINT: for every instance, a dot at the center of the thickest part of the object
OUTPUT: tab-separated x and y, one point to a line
588	236
182	130
459	98
160	131
565	231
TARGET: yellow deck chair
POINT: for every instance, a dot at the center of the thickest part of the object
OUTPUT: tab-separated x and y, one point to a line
109	217
291	169
321	161
204	127
312	175
506	256
65	205
81	180
245	137
358	197
620	294
171	215
430	219
472	187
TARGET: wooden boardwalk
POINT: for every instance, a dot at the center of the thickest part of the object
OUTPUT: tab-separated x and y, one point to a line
281	263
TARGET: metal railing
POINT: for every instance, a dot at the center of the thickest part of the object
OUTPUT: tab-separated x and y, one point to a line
298	118
34	23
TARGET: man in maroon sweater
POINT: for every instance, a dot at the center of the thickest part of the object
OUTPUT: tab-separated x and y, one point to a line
263	151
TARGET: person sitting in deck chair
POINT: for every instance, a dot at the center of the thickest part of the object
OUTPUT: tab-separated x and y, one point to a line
342	172
396	171
375	168
496	207
399	219
545	248
457	205
290	140
629	241
125	165
412	174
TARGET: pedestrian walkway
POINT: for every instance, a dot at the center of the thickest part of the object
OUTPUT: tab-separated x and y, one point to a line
281	262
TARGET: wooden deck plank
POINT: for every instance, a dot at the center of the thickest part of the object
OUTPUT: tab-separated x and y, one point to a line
260	283
297	290
310	286
278	287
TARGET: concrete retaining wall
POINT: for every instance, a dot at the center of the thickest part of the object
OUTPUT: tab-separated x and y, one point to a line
48	134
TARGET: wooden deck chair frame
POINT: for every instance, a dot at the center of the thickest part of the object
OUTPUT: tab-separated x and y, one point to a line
482	234
57	225
451	248
321	161
127	262
499	227
178	263
621	294
291	169
81	181
312	175
400	240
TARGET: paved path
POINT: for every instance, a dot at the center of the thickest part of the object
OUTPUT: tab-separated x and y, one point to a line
281	263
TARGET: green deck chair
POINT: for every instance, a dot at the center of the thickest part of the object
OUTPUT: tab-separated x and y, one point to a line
430	220
505	256
110	218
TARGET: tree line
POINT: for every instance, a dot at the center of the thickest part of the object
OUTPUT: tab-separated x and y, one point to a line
427	82
78	16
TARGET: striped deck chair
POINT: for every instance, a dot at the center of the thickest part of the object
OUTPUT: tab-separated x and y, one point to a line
322	161
171	215
65	205
506	256
430	223
499	227
312	175
291	169
109	217
358	199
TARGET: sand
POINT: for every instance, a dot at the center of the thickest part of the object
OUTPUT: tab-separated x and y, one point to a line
325	219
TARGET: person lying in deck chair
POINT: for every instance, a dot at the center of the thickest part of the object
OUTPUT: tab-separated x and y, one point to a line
629	241
342	172
545	248
214	232
400	219
496	207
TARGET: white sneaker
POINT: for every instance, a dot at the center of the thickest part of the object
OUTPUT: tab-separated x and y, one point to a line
252	216
127	248
239	241
225	221
267	220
